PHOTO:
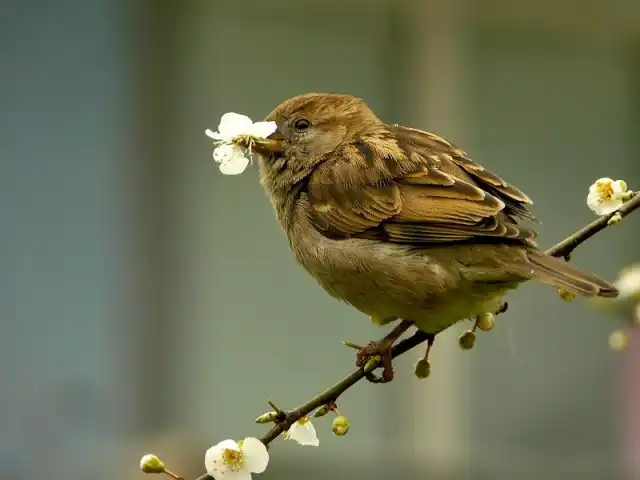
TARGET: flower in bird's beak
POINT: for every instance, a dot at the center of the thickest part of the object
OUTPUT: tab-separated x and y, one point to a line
231	157
234	132
233	125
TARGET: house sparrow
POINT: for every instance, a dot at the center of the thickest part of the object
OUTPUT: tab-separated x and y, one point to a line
398	222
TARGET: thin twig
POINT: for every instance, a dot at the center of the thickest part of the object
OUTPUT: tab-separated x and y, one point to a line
331	394
569	244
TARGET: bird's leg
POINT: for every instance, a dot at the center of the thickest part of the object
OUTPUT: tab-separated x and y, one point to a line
382	348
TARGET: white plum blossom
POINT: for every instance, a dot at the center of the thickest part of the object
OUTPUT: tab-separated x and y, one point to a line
628	283
233	127
606	195
303	432
232	159
233	460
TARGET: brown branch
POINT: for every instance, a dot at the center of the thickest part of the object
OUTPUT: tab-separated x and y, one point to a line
569	244
331	394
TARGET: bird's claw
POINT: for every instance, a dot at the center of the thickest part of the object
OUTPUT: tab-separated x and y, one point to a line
377	353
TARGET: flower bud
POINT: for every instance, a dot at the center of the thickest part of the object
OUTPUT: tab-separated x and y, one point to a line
628	195
566	295
486	322
267	417
422	368
151	464
467	340
372	364
321	412
340	426
615	218
618	340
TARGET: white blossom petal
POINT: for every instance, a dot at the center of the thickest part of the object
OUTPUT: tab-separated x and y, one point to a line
304	433
262	129
213	461
233	124
619	186
243	474
234	165
256	456
231	158
604	207
228	445
210	133
223	152
593	200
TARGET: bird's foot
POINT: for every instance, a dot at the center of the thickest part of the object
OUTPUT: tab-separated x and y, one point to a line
379	353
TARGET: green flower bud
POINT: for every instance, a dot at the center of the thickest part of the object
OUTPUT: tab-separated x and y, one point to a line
267	417
372	364
467	340
151	464
615	218
321	412
486	322
422	368
618	340
566	295
340	426
628	195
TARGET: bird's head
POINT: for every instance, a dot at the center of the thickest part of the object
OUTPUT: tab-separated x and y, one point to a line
310	127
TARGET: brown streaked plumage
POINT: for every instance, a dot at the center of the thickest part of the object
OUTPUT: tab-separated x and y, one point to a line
398	222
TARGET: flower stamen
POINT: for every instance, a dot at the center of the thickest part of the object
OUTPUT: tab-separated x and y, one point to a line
232	459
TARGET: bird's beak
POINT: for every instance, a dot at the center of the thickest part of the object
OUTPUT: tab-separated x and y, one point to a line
274	144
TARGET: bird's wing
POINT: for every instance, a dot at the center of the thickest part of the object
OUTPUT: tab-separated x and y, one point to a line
407	186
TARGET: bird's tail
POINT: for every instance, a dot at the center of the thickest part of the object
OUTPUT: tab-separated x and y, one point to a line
561	274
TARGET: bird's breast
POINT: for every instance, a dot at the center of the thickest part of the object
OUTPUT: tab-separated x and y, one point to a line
386	280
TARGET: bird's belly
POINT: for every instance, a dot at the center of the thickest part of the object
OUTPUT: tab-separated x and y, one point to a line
388	281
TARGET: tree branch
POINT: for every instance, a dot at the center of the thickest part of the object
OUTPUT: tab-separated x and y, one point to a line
331	394
569	244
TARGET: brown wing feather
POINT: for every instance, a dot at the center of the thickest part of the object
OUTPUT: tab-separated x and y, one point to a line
408	186
516	202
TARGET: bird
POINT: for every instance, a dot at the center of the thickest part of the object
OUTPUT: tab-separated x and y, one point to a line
400	223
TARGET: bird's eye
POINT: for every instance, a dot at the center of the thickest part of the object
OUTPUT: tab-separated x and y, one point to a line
301	124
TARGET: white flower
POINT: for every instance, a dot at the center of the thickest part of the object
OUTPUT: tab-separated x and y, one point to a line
303	432
628	283
232	159
236	460
233	125
606	196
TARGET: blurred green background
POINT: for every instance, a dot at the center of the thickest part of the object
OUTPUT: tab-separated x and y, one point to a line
148	303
